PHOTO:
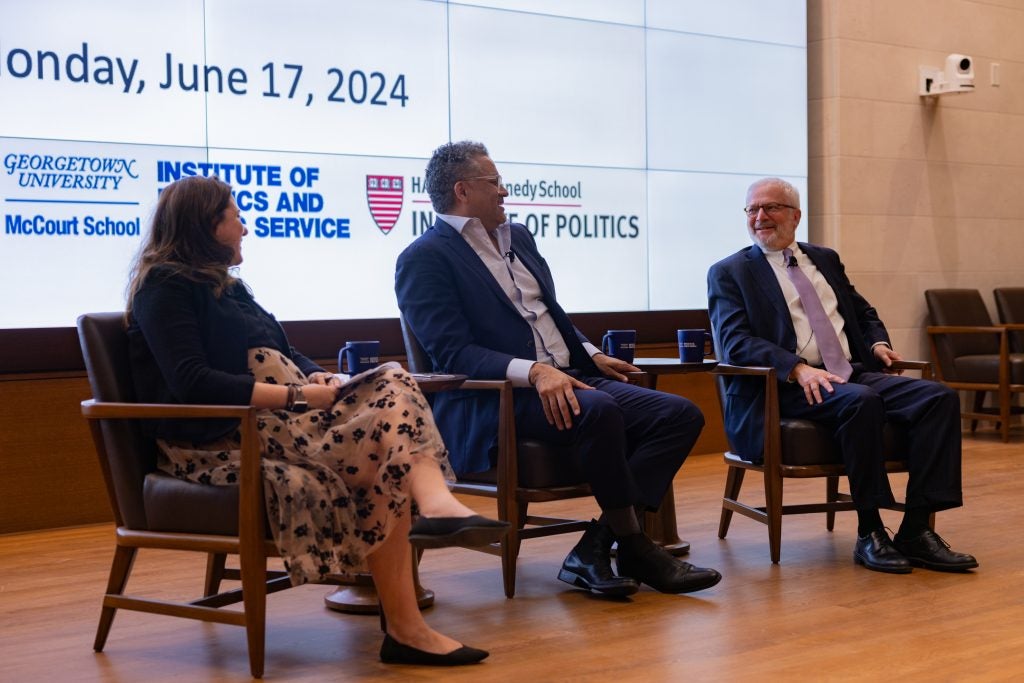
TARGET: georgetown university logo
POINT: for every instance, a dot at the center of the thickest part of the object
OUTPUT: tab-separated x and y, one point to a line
384	194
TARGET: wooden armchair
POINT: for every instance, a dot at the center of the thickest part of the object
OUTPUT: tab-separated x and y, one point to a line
156	510
794	448
1010	309
527	471
972	354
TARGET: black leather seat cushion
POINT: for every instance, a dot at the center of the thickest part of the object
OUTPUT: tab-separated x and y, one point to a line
809	443
985	368
541	465
175	505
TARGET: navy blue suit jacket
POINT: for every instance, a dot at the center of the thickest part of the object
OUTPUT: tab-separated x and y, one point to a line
468	326
753	326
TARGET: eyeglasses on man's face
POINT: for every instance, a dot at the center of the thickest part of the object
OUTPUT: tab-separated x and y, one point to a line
492	179
770	209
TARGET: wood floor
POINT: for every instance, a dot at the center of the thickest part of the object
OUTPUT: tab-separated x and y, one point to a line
813	617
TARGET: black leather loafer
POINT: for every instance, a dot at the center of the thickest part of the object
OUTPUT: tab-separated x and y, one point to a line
394	652
468	532
928	550
876	552
644	560
589	565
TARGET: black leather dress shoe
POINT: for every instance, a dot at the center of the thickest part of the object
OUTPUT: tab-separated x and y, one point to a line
442	532
875	551
647	562
928	550
394	652
589	565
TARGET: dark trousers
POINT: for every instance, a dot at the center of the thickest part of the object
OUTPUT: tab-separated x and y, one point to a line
632	440
858	410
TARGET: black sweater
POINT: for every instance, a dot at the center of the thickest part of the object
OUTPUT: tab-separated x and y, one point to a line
189	346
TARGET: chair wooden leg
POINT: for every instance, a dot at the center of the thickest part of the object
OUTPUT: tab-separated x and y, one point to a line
214	573
510	547
522	509
831	495
773	506
979	403
1005	407
733	482
254	597
120	568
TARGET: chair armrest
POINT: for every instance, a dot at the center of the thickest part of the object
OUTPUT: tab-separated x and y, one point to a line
250	482
492	384
97	410
925	367
726	369
965	329
640	378
935	331
508	462
911	364
772	447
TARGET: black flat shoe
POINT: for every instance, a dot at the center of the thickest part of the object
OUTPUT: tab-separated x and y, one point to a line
443	532
928	550
876	552
394	652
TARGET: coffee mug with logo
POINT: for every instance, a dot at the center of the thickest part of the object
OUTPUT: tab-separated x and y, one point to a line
691	345
360	355
619	343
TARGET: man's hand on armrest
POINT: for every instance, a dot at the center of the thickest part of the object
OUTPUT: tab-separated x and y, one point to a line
613	367
887	356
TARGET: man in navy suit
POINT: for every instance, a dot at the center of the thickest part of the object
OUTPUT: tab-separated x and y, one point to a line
480	298
762	315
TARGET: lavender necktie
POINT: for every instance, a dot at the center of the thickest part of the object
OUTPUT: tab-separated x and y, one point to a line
828	342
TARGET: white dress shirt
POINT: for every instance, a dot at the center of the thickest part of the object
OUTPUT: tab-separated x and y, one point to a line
806	344
523	291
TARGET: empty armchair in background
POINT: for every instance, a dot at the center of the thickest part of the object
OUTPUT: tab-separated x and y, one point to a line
527	471
1010	308
973	354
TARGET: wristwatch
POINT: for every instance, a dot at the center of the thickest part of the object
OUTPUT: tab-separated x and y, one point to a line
297	401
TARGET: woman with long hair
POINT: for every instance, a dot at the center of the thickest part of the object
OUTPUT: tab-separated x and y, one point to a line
342	465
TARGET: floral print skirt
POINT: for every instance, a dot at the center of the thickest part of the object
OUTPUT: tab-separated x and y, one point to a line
335	480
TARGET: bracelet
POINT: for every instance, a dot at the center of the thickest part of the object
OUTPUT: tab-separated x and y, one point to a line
290	401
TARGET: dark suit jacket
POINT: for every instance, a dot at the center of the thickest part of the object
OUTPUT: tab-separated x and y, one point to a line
753	326
469	326
189	346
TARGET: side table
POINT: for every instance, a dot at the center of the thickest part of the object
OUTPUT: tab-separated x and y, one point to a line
661	525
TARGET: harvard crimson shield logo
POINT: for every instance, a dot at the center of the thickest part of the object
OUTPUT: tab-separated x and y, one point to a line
384	194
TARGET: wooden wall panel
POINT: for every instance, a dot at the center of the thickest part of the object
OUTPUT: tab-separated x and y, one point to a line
50	477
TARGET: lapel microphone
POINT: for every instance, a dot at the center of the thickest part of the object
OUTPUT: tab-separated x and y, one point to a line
792	262
511	256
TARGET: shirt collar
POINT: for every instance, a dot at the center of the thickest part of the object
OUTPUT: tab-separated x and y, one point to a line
794	246
460	223
457	222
